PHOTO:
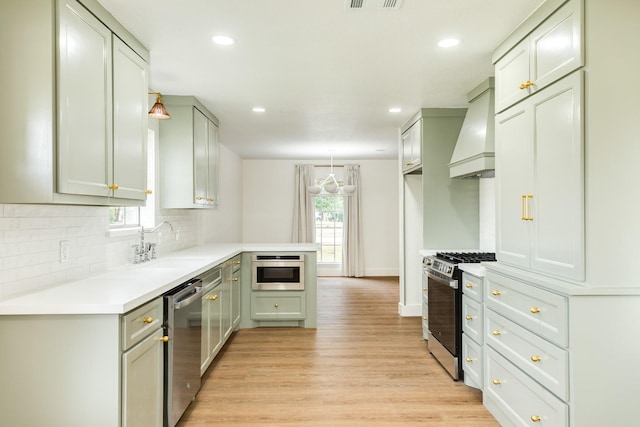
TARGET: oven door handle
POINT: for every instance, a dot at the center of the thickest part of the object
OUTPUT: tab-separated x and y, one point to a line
451	283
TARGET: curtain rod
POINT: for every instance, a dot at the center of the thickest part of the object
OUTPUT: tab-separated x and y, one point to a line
328	166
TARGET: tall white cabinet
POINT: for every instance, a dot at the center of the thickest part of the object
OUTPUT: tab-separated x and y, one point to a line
79	100
559	335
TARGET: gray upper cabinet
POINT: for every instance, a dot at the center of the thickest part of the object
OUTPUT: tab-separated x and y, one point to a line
188	155
412	147
549	52
78	100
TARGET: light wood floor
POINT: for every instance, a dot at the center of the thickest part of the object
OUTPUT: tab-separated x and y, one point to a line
363	366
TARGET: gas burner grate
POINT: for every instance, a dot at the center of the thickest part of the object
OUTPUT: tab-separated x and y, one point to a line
466	257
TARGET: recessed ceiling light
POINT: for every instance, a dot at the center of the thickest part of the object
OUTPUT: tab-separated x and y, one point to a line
259	109
448	42
395	110
224	40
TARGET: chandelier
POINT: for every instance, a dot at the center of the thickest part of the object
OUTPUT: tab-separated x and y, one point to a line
330	185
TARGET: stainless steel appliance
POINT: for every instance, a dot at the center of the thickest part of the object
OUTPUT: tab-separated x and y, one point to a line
278	272
182	314
445	306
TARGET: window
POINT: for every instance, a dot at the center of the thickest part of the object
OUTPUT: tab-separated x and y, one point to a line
129	217
329	217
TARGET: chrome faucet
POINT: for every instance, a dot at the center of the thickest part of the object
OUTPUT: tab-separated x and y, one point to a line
145	252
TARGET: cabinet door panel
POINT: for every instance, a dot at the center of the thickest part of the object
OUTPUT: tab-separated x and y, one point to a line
84	102
512	71
142	384
130	86
212	162
201	164
558	203
556	46
514	179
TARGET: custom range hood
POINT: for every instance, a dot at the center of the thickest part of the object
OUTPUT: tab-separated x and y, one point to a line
473	155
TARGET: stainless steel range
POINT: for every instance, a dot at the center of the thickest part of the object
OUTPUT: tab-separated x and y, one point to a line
445	306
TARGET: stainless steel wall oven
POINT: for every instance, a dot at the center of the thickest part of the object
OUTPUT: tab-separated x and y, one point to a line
278	272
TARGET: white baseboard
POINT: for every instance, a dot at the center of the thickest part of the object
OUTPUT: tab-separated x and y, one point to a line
413	310
333	271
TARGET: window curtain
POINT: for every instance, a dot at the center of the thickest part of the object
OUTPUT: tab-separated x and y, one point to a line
303	230
352	251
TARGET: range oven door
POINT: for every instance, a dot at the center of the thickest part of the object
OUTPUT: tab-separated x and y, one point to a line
445	323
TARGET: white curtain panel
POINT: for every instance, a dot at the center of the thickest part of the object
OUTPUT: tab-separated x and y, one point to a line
303	230
352	251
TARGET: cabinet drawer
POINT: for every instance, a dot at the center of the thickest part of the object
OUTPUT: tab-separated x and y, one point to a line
278	306
140	322
540	359
517	397
472	363
540	311
472	286
472	319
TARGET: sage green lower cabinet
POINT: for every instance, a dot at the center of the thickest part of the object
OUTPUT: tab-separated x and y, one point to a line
89	370
211	318
278	305
236	286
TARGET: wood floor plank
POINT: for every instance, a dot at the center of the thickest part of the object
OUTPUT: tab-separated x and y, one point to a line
363	366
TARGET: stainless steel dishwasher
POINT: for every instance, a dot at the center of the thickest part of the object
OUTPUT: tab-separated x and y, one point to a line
182	313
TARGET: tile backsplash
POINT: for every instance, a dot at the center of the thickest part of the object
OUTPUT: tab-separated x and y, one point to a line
30	237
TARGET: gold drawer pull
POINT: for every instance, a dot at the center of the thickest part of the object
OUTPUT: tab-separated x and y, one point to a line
496	293
113	187
148	320
164	339
198	198
496	332
496	382
534	310
468	317
238	262
424	317
469	360
234	279
408	163
425	289
275	305
148	192
535	418
212	297
469	285
535	359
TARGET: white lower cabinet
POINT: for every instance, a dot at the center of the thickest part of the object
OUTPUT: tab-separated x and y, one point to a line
472	330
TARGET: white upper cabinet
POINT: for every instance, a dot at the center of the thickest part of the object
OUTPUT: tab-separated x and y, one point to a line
79	106
188	155
130	122
551	51
540	181
102	105
411	148
84	102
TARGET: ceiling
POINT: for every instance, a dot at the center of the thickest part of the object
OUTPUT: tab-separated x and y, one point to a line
325	73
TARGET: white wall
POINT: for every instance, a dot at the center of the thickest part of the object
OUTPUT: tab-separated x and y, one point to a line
224	224
268	187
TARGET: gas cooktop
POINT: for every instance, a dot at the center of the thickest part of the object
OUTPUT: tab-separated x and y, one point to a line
466	257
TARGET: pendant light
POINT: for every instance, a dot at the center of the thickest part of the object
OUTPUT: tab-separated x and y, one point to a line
330	185
158	111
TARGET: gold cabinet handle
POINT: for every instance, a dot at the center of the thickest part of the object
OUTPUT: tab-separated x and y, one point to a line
495	332
424	317
528	83
275	305
469	360
408	163
522	207
534	310
523	86
212	297
164	339
234	279
495	293
198	197
469	285
496	382
425	289
210	199
535	359
535	418
228	263
238	262
147	191
527	211
113	187
148	320
468	317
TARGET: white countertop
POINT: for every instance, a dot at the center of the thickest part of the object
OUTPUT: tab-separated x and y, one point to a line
122	289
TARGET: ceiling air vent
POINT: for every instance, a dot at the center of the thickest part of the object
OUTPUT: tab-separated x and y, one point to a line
372	4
